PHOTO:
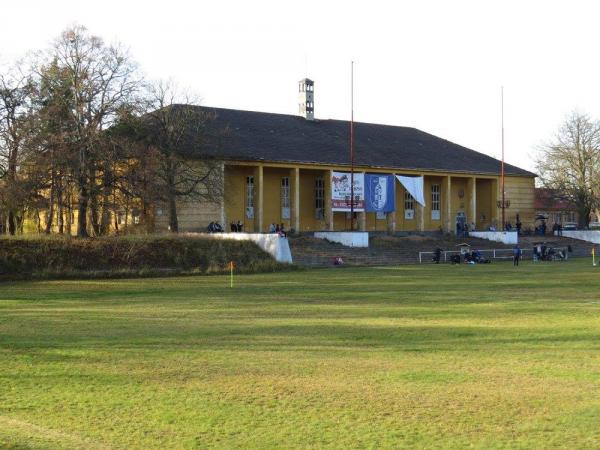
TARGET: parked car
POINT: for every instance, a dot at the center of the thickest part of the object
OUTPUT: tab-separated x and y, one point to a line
594	225
570	226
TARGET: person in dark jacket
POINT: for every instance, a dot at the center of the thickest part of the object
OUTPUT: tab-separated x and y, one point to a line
516	255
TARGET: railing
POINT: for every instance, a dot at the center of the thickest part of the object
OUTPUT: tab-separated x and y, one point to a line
496	253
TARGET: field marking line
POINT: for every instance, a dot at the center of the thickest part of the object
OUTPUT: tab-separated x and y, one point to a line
49	434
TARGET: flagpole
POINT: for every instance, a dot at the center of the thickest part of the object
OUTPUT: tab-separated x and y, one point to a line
352	146
502	167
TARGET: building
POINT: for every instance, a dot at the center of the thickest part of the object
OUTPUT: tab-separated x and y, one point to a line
556	207
289	169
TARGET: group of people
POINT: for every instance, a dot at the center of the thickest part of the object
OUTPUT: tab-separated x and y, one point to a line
278	228
236	227
518	226
215	227
541	252
469	257
541	228
463	228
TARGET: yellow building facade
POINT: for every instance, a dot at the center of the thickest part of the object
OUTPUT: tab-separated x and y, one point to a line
299	196
278	168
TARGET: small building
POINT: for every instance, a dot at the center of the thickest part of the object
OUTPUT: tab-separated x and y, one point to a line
555	207
295	170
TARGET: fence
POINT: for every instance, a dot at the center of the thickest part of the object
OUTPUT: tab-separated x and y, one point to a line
496	253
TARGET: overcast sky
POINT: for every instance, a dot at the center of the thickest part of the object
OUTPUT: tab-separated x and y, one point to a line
434	65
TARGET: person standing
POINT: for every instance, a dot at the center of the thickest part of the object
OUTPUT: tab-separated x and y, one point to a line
516	255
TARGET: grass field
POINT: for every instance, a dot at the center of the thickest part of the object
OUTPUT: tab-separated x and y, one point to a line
413	356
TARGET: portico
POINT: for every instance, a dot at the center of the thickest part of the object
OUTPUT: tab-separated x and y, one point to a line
300	198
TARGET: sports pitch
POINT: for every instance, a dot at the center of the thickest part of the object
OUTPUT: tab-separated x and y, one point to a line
486	356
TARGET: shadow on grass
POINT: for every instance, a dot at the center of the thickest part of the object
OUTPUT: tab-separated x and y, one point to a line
136	336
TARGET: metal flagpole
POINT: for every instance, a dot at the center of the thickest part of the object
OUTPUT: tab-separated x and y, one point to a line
502	167
352	146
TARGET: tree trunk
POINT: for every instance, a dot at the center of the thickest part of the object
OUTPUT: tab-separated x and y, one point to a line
173	223
172	199
94	216
82	213
12	223
59	201
50	216
584	216
106	192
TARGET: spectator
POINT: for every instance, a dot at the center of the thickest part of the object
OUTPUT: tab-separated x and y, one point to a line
516	255
272	228
282	232
437	255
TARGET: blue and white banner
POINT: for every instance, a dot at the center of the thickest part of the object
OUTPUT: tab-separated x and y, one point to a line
379	193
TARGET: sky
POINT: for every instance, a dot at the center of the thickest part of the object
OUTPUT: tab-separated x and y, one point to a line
434	65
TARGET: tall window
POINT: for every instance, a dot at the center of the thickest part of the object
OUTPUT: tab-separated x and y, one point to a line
409	206
250	197
285	197
319	198
435	202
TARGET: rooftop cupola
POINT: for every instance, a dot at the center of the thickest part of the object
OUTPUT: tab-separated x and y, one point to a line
306	102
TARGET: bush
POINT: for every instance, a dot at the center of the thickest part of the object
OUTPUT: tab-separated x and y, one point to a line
119	256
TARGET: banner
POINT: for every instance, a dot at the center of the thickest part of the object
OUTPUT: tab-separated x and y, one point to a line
340	191
414	186
379	193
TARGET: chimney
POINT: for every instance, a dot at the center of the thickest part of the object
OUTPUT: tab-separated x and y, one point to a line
306	103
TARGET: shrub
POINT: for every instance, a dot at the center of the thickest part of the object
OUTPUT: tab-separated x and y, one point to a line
118	256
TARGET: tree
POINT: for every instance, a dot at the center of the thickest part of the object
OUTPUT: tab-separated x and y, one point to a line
570	164
15	112
178	132
101	79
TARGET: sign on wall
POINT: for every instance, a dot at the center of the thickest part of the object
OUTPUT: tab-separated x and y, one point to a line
379	193
341	192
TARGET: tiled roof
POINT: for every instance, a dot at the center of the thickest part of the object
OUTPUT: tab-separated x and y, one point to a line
550	199
259	136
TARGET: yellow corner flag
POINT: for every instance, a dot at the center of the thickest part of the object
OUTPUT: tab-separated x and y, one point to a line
594	256
231	267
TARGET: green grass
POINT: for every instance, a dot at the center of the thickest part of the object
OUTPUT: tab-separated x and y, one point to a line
414	356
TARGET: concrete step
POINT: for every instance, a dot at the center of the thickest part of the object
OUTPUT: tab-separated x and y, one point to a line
390	250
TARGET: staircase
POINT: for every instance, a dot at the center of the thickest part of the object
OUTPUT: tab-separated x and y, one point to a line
394	250
382	251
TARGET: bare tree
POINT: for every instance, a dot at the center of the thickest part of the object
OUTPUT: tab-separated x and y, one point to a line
570	163
180	133
101	80
15	110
